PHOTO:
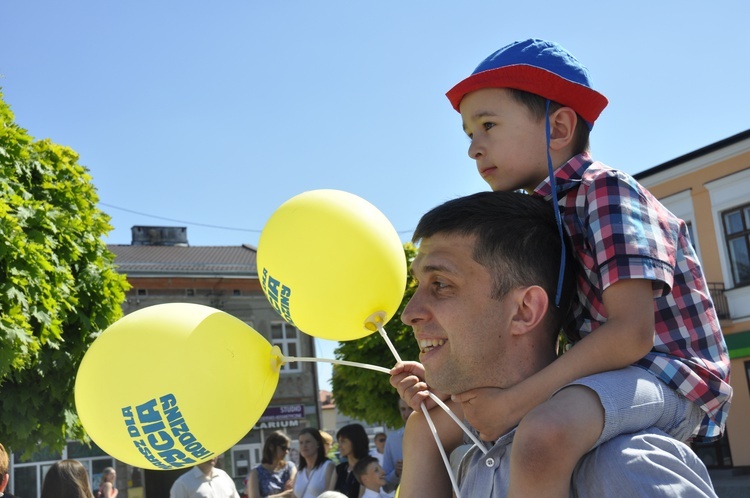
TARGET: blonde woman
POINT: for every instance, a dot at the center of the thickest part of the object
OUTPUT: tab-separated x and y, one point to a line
107	488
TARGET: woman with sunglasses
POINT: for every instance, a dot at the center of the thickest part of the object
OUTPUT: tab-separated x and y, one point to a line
274	477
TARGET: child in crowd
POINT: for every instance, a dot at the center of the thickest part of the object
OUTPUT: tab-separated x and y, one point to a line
647	345
371	475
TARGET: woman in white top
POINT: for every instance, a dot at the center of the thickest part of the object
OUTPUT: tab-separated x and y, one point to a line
315	469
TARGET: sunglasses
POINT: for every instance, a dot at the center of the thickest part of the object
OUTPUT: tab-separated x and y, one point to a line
381	440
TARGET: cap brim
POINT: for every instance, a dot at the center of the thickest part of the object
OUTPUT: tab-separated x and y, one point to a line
587	102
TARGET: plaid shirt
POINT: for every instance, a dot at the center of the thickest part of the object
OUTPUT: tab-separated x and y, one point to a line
618	230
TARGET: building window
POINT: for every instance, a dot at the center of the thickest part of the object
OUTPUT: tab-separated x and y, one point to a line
142	292
737	233
287	338
689	226
190	292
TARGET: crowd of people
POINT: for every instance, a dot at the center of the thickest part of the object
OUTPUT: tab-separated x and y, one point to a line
354	471
64	479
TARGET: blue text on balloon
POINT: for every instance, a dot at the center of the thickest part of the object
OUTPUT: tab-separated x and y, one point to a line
278	294
161	435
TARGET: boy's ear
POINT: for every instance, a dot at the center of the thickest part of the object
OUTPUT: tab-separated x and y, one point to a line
531	308
562	124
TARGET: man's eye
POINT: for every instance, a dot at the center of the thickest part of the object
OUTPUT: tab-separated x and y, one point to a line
487	126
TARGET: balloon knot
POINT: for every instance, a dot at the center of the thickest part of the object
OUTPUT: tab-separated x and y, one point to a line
277	359
376	319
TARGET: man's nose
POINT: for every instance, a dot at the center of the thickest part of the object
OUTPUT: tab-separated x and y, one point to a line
412	313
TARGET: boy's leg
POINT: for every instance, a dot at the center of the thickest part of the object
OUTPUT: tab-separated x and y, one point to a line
550	441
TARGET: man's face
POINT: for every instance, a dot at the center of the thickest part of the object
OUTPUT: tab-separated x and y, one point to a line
380	442
208	465
461	330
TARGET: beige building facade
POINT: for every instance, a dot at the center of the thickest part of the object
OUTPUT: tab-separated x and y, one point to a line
710	189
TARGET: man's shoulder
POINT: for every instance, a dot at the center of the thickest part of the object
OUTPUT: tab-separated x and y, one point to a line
638	465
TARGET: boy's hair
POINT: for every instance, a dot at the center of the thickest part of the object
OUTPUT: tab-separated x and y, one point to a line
358	437
516	240
360	468
540	67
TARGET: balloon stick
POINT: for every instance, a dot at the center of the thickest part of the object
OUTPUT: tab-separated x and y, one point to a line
442	450
452	415
375	321
337	362
442	405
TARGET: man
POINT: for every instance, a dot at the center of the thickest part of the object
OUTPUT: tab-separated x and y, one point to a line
484	316
393	455
204	481
378	451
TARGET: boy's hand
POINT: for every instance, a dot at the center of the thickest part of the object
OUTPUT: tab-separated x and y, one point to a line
488	410
408	378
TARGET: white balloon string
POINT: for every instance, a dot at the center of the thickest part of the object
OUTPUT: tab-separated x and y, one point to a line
442	451
388	342
452	415
337	362
437	400
429	418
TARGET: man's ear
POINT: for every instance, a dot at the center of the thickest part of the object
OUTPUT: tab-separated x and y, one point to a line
531	308
562	125
4	482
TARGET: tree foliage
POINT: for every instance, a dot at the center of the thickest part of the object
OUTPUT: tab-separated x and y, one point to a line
58	290
367	395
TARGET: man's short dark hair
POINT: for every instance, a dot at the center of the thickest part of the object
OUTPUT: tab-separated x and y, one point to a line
517	240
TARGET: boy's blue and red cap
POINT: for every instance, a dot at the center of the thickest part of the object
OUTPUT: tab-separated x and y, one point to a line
540	67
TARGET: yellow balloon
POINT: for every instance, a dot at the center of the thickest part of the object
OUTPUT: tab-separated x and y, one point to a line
173	385
330	262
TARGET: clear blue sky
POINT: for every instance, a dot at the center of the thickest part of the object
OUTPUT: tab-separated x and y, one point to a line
215	113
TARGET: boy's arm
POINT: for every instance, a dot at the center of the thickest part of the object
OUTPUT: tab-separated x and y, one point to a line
424	472
626	337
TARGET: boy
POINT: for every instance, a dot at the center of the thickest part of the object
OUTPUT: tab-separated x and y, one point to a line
648	349
371	475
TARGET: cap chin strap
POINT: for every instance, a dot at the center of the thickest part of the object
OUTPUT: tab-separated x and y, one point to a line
556	208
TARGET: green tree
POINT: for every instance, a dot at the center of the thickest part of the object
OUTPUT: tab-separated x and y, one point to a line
366	394
58	286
